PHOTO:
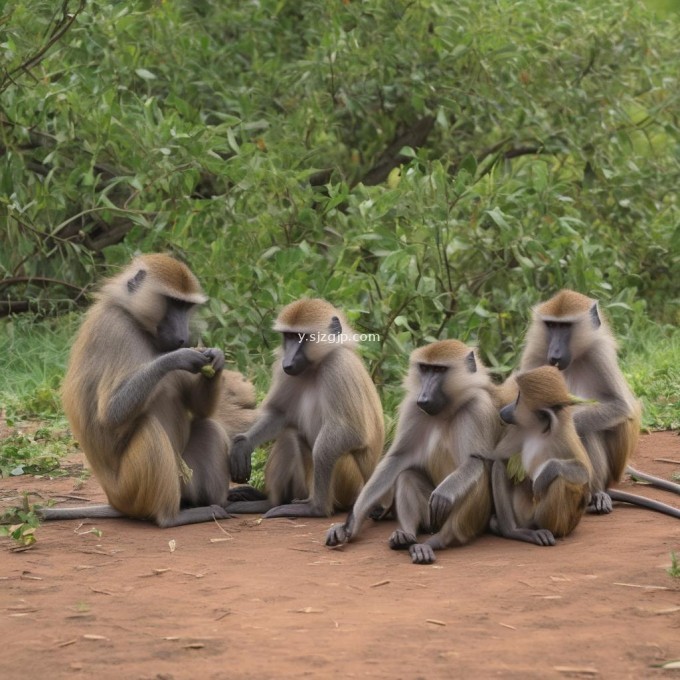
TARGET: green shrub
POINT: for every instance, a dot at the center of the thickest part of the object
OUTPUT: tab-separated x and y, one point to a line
434	168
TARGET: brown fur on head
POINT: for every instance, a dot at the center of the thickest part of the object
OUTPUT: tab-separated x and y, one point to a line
174	277
588	327
565	305
543	387
543	398
441	353
465	373
309	315
141	288
324	325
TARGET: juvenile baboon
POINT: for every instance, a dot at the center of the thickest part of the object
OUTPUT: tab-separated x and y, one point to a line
546	493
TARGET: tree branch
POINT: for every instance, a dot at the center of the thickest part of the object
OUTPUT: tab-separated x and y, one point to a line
414	137
41	280
60	29
8	307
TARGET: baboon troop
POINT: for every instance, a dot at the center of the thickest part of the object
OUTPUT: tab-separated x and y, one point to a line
167	430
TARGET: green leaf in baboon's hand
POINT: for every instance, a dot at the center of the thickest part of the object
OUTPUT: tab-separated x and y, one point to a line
516	471
208	371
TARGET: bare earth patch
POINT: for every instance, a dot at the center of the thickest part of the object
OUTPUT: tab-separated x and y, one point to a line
250	599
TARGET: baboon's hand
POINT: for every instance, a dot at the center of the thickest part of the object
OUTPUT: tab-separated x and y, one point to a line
600	503
440	509
186	359
239	459
337	535
215	357
401	540
542	537
422	553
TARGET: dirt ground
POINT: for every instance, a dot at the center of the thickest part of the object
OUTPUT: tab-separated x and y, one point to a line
266	599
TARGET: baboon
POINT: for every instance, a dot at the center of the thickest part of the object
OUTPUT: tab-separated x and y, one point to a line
569	332
324	414
447	420
146	417
546	493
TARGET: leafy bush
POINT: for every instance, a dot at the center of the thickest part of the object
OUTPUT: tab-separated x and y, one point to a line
434	168
36	454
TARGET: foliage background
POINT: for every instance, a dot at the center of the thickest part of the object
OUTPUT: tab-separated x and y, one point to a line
435	168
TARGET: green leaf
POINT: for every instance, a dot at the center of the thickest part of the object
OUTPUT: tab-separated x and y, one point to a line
145	74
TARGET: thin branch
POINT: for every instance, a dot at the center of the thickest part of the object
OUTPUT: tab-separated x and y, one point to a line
57	34
14	307
8	307
41	280
496	150
523	151
88	211
113	234
37	232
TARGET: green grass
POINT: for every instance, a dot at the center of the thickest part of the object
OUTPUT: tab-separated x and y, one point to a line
674	569
35	352
652	366
664	8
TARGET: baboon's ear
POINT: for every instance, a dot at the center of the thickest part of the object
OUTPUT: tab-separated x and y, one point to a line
547	416
595	316
471	363
136	281
507	414
335	327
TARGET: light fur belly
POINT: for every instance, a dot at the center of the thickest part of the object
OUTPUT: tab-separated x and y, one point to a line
309	418
439	454
532	453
